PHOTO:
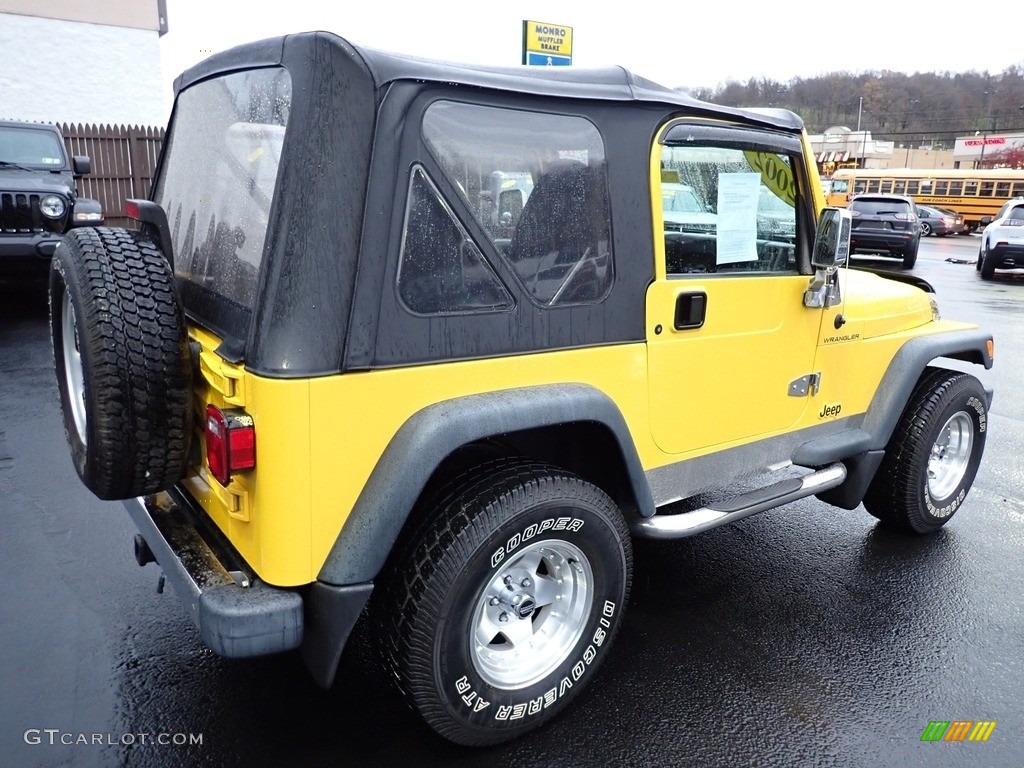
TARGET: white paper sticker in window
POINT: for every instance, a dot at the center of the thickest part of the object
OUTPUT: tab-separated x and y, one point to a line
737	217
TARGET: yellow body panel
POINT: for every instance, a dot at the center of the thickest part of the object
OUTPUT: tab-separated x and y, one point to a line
318	440
728	380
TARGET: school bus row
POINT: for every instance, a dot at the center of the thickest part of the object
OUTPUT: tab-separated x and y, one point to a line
971	193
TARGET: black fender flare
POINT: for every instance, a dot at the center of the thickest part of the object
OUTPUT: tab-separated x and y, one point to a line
433	433
862	449
905	369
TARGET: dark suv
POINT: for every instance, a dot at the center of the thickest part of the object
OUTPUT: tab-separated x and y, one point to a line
886	224
38	199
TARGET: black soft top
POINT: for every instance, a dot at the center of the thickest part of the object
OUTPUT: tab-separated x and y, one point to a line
333	225
599	83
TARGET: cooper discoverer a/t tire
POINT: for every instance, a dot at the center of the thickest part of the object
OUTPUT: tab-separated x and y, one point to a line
499	608
121	358
933	455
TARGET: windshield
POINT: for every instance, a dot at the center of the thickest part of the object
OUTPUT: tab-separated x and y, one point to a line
31	147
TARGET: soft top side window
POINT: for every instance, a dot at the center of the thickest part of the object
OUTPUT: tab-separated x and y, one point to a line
536	184
441	270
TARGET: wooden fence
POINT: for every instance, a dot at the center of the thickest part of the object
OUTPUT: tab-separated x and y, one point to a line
123	163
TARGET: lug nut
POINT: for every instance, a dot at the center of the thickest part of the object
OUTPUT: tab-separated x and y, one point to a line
503	617
525	583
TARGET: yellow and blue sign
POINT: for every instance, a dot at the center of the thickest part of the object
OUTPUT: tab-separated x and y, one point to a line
546	44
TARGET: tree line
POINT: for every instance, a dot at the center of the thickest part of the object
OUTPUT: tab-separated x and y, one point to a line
924	108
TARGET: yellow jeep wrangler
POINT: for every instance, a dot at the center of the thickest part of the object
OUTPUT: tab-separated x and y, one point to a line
426	345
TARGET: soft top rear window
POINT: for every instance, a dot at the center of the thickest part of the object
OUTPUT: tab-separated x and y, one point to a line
216	184
880	206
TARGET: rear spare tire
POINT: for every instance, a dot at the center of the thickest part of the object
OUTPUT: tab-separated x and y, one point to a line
121	356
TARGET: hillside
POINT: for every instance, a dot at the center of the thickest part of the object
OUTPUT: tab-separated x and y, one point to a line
922	108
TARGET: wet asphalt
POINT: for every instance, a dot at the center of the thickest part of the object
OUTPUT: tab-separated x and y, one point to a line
805	636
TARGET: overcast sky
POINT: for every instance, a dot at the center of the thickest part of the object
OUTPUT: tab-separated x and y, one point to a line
676	44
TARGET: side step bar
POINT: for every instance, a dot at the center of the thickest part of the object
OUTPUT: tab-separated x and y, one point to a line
739	507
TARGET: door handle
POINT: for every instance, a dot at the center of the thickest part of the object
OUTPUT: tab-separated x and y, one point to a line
691	309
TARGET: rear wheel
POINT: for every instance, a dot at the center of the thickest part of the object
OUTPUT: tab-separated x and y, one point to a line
501	606
986	265
121	360
934	453
910	255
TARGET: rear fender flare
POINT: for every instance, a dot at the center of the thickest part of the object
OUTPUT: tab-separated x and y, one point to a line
433	433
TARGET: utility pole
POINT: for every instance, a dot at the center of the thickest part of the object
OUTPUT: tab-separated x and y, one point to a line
863	137
988	119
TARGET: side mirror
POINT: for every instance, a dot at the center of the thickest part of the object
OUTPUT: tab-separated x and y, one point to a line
87	213
832	240
986	220
81	165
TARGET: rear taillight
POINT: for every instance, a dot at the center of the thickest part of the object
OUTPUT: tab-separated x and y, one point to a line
904	216
947	222
230	443
1014	223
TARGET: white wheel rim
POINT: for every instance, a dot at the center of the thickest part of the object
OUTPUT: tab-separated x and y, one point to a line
73	373
531	614
950	455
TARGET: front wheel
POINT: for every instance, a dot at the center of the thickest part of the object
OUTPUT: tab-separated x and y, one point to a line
500	608
926	229
934	453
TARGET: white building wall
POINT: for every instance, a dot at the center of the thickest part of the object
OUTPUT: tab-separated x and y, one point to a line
68	71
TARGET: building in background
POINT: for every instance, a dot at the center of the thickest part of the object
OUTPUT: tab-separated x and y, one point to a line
86	61
984	148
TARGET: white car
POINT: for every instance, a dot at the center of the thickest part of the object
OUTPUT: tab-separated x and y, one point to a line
1002	240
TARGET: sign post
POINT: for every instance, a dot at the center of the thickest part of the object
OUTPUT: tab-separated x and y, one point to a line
546	44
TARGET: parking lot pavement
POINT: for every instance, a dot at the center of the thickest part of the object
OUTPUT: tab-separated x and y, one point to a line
803	636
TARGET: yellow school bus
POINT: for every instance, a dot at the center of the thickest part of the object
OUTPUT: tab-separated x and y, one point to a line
971	193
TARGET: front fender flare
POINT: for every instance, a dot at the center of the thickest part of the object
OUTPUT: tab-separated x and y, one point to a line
905	371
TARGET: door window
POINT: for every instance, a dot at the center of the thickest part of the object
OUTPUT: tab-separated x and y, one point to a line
728	210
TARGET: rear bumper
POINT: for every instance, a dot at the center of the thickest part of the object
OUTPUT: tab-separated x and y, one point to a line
1007	256
880	239
237	616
